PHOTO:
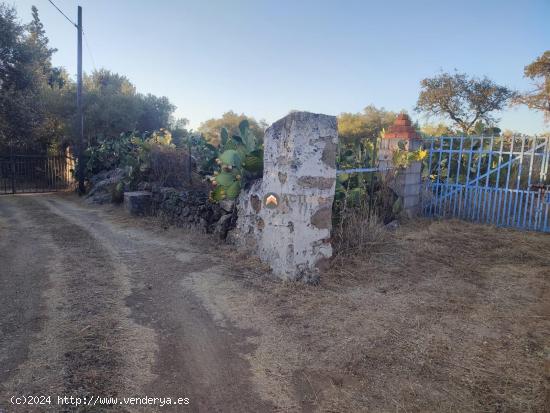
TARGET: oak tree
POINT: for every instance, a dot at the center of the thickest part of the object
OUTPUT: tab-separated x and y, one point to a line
539	98
464	100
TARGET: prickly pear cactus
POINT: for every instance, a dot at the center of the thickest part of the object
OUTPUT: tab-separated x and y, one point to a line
240	159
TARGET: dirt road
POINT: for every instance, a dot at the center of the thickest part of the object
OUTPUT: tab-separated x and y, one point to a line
90	308
435	316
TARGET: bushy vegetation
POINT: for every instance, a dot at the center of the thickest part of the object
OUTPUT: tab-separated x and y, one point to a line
231	121
170	166
156	158
147	157
204	154
367	195
240	160
354	128
365	201
38	100
360	153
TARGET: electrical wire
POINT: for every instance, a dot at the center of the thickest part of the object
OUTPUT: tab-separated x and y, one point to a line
89	49
83	34
64	15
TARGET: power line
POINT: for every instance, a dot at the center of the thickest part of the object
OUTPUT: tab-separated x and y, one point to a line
84	34
89	50
80	117
64	15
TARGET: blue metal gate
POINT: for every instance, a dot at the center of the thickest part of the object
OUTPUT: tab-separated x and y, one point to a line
495	180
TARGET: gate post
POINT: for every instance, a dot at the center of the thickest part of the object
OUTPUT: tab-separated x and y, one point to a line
408	181
286	218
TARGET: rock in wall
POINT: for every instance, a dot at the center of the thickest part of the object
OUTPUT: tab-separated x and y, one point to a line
191	208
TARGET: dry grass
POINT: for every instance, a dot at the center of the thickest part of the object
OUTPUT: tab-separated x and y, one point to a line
359	222
357	232
437	316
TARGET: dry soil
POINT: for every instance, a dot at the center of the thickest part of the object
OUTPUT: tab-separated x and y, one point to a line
436	316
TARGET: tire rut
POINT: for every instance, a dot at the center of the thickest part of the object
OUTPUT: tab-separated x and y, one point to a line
82	348
197	357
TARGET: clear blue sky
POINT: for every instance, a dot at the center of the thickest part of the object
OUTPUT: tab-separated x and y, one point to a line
265	58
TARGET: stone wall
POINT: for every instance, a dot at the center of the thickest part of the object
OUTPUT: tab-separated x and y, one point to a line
286	218
191	208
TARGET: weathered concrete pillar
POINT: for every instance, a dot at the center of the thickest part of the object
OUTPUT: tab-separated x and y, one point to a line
408	181
287	217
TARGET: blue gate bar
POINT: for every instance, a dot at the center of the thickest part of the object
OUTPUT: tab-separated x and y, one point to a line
360	170
485	193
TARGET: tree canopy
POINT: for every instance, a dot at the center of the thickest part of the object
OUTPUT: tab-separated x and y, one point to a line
539	98
439	129
353	127
210	129
38	100
112	105
464	100
25	74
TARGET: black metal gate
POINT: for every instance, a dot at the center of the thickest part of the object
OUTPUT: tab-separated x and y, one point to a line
35	173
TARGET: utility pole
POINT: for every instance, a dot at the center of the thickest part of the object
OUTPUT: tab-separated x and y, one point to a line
80	116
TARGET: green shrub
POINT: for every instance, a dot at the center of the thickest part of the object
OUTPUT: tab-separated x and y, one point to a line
117	193
130	151
204	154
240	160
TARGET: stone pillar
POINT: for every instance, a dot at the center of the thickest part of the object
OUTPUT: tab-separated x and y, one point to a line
408	181
287	216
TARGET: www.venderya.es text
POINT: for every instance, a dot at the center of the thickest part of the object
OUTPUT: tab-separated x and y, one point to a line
98	401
